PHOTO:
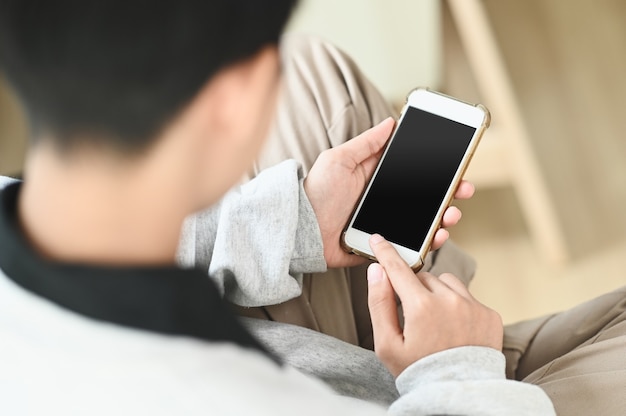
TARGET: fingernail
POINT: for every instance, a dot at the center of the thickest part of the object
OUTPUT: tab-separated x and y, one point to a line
375	239
374	273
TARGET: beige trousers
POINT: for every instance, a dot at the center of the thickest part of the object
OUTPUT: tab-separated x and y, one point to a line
578	357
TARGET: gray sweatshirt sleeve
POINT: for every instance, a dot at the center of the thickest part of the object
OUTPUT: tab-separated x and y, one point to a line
258	240
460	381
466	381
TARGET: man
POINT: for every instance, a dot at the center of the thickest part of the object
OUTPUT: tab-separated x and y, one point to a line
143	114
576	356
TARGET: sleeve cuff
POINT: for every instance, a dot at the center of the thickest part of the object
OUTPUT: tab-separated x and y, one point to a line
308	253
455	364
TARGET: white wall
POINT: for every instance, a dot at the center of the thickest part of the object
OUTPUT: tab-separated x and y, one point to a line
395	42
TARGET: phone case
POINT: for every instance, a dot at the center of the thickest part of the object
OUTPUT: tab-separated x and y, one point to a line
426	248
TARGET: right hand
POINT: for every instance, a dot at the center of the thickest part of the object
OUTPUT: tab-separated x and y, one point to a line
439	312
337	179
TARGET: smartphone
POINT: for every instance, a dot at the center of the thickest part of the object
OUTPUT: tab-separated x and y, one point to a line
417	175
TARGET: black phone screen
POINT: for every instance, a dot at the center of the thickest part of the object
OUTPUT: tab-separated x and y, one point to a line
414	177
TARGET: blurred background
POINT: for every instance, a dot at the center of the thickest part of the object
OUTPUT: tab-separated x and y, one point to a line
546	225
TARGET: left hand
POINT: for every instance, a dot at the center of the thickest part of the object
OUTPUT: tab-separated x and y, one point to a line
336	181
439	312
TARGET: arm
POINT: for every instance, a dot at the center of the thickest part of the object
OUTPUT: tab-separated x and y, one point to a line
466	381
262	235
260	238
337	179
458	381
447	355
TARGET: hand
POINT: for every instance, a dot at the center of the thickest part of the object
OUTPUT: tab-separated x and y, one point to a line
337	179
439	312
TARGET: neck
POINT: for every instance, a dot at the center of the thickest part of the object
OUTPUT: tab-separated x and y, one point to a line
95	210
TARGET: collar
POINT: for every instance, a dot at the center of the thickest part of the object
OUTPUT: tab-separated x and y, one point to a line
167	300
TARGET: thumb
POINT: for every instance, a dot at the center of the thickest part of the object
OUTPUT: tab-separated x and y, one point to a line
381	300
370	142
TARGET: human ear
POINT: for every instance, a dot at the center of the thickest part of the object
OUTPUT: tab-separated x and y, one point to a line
227	123
234	99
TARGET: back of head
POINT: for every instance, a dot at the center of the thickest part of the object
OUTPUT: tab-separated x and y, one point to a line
117	71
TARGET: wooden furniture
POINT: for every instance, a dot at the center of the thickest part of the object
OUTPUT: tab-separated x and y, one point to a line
505	157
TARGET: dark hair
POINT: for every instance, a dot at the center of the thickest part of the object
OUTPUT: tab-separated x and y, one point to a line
119	70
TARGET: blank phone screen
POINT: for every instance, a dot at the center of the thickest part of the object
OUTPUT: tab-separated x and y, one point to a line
414	177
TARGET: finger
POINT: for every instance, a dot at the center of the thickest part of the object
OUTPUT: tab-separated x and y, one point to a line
400	275
455	284
451	217
382	305
465	190
441	236
370	142
432	282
